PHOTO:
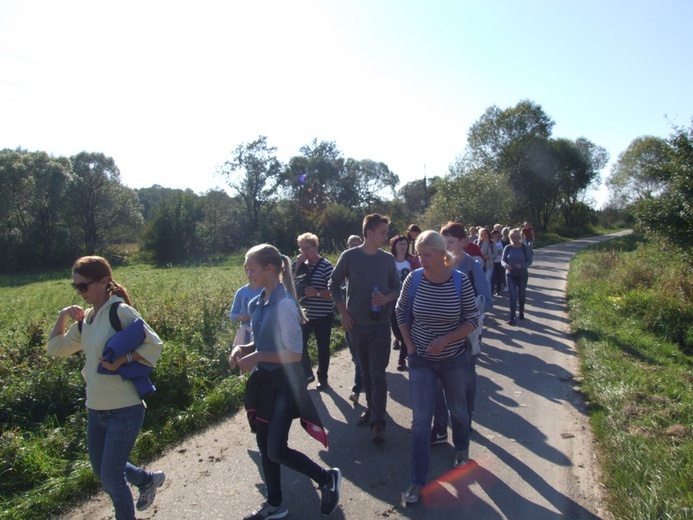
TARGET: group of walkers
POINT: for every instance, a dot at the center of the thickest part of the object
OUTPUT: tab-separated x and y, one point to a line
429	292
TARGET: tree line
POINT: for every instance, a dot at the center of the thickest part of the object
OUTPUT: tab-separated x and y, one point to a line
53	209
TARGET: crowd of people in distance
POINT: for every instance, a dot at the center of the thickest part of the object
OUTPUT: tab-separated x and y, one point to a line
426	298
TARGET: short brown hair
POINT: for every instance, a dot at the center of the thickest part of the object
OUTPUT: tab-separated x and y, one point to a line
372	221
454	229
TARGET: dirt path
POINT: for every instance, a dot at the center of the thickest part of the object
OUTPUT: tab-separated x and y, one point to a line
532	448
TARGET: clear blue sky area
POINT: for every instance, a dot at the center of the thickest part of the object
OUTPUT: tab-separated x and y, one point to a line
169	89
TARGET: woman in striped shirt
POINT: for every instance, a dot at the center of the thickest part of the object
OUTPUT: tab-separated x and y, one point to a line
434	325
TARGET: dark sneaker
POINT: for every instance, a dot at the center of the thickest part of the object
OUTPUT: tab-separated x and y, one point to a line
365	419
148	491
378	433
266	511
330	492
512	321
412	494
402	365
438	437
354	397
322	386
461	458
522	315
310	379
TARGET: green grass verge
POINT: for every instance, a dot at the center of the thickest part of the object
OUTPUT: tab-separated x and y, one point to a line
631	304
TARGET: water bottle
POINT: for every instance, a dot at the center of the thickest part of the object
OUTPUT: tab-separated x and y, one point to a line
375	309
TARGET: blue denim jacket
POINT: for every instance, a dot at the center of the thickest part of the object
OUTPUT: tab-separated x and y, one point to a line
264	321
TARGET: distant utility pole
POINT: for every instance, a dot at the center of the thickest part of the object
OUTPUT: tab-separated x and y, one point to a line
425	189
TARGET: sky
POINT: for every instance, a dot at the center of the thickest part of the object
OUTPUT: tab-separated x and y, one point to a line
170	89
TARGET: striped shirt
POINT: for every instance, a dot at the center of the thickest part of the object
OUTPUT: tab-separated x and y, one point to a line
437	310
318	307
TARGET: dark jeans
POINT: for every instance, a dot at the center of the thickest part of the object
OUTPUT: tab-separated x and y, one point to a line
372	345
272	441
398	337
440	415
322	327
517	286
111	435
498	279
358	385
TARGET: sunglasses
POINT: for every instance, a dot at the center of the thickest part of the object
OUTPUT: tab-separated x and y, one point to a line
82	287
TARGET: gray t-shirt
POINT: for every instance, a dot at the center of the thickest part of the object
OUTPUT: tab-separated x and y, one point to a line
362	272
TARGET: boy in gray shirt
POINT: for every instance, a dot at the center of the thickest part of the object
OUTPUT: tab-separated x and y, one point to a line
372	279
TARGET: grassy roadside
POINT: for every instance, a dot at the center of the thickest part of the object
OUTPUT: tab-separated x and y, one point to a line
631	304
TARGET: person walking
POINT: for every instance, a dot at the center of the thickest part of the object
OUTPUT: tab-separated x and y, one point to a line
372	285
276	390
353	241
436	311
115	410
239	314
314	271
516	259
406	263
455	242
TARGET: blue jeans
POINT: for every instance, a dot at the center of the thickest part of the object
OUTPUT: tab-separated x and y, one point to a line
517	286
272	441
440	416
322	327
423	378
111	435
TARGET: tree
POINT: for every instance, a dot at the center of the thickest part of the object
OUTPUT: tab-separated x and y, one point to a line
500	137
669	212
314	180
171	237
371	181
579	166
259	182
639	171
417	195
102	210
33	189
514	144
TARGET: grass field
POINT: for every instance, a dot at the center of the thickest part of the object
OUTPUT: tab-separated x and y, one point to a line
631	305
43	456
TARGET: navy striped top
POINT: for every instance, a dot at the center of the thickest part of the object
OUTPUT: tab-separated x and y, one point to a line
318	307
438	310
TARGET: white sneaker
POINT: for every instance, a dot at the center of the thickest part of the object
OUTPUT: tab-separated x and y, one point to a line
148	491
412	494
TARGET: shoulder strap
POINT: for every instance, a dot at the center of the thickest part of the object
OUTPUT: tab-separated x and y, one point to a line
311	272
413	285
112	317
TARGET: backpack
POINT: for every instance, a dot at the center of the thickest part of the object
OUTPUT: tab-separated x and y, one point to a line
112	317
474	338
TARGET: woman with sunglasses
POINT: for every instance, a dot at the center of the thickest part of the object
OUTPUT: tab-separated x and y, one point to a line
115	410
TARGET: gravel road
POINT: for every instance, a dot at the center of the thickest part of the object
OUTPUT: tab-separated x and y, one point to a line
532	447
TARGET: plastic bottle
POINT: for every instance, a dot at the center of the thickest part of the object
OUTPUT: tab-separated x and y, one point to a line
375	309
